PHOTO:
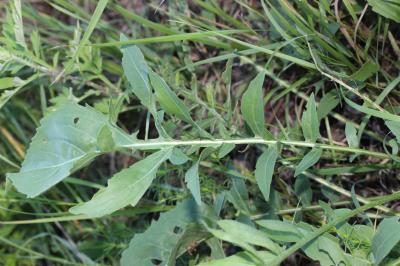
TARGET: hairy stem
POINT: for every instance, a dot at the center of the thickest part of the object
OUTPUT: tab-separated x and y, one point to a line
156	144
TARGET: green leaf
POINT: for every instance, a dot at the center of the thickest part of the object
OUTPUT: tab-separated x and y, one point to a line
327	103
225	149
265	169
137	72
124	188
280	230
387	8
192	180
105	140
162	241
311	158
67	140
252	107
377	113
178	157
366	71
192	177
302	188
351	135
326	251
386	237
239	196
394	126
9	82
168	99
310	121
240	232
239	259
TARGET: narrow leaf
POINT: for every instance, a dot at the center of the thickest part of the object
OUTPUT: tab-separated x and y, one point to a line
310	121
252	107
137	72
168	99
265	169
124	188
366	71
192	180
351	135
311	158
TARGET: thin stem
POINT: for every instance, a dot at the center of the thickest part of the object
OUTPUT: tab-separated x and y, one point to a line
216	142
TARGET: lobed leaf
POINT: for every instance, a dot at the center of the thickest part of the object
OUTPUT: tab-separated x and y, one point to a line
162	241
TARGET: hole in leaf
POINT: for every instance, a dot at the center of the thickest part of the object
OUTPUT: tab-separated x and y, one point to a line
76	120
177	230
156	261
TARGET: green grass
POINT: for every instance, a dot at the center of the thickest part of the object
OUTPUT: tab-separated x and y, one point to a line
246	133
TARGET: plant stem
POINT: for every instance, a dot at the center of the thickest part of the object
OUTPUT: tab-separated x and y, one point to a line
333	223
155	144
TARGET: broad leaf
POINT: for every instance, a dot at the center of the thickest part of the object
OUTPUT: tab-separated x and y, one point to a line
387	236
137	72
68	139
162	241
311	158
265	169
124	188
252	107
310	121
